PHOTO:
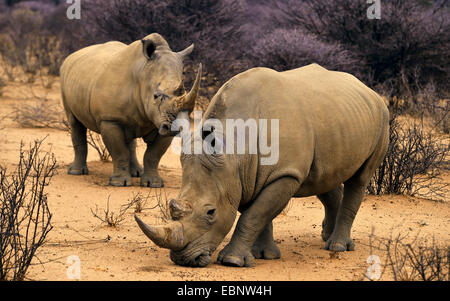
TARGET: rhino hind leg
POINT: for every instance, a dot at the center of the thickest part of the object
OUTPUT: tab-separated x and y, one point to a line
354	190
114	139
339	240
136	169
331	201
79	142
265	246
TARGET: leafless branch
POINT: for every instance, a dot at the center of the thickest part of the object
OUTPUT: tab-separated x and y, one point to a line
24	213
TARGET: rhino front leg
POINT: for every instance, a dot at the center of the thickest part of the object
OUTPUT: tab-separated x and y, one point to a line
265	246
79	142
271	201
155	150
114	139
136	169
331	201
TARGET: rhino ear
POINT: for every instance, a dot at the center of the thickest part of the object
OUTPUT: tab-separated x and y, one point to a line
148	48
184	53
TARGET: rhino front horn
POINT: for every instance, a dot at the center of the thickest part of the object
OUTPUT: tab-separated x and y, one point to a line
187	102
169	236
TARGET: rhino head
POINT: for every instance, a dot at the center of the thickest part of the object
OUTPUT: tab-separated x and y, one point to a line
203	212
160	83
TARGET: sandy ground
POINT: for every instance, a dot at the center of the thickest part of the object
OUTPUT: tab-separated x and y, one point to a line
124	253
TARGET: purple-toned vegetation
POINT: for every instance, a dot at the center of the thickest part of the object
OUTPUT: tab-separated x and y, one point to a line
213	26
405	49
285	49
400	53
405	54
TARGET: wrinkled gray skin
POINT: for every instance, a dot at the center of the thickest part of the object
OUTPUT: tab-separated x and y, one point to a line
124	92
334	133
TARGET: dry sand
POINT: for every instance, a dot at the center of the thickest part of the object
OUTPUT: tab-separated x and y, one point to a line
124	253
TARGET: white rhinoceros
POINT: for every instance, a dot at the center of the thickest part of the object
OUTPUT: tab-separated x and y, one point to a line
124	92
333	134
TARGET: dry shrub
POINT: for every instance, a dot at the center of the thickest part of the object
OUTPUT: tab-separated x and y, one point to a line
162	202
24	213
426	103
413	164
95	140
411	262
109	217
140	202
414	260
39	114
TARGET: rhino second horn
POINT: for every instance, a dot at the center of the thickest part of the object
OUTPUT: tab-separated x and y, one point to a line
179	209
187	102
168	236
184	53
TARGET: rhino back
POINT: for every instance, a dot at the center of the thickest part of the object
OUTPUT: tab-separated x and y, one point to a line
329	122
80	74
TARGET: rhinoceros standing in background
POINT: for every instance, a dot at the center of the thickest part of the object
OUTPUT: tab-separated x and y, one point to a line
333	130
124	92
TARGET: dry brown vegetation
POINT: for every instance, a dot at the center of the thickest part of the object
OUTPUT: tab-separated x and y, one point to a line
414	174
25	217
415	258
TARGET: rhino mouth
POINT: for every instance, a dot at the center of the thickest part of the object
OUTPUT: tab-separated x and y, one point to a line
188	258
165	128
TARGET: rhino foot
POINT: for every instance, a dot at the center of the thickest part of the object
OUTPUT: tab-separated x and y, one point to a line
327	230
136	171
120	181
77	171
152	181
339	245
266	251
236	256
325	235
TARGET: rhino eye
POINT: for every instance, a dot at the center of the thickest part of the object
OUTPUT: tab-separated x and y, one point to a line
160	96
211	216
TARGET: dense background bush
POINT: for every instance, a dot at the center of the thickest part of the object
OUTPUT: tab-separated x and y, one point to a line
405	49
399	54
404	56
285	49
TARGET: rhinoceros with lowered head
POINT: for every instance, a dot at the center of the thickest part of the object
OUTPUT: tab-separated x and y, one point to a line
332	134
124	92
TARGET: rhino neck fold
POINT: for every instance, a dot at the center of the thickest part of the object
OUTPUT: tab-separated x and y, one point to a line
247	169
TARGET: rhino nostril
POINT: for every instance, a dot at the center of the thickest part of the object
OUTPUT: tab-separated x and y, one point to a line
164	129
